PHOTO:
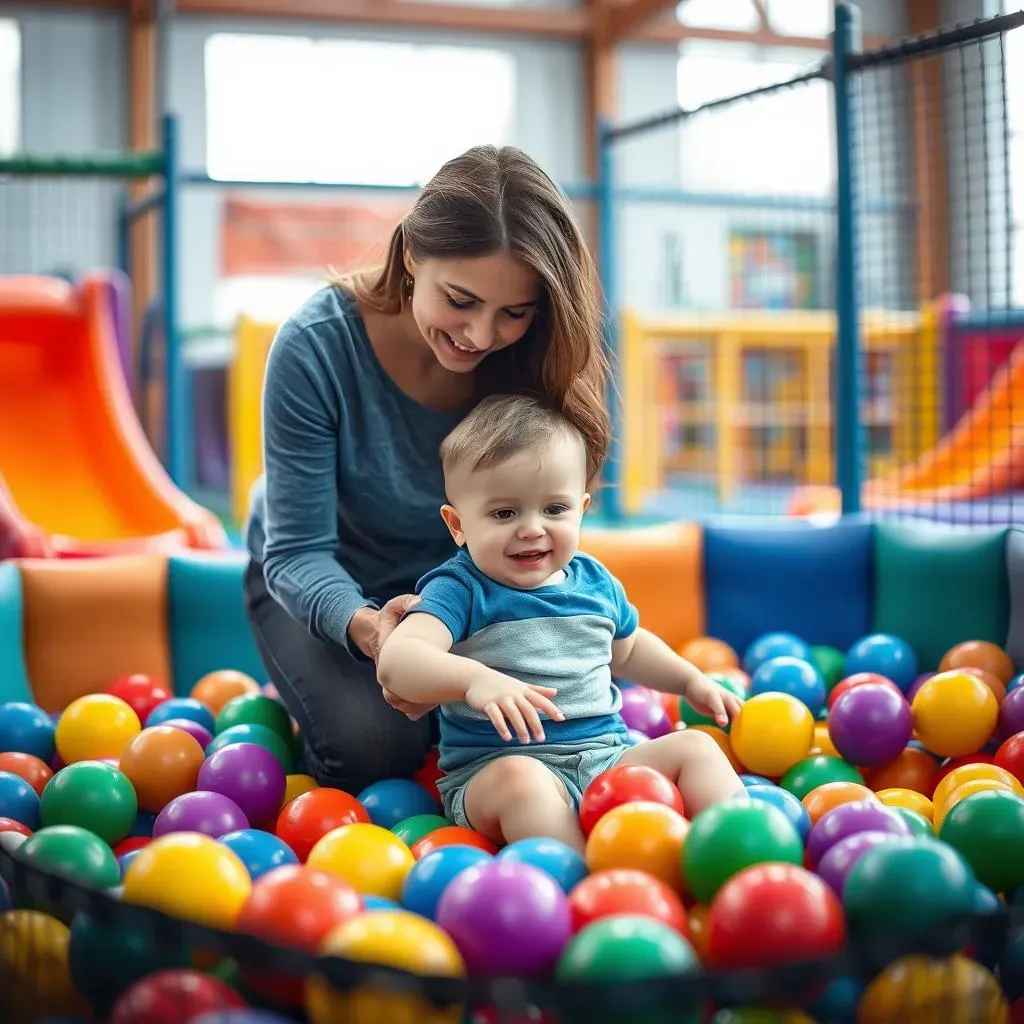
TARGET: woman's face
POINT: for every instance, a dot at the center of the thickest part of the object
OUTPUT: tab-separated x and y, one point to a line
468	308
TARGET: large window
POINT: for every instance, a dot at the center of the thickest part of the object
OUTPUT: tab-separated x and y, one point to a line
10	86
324	110
811	18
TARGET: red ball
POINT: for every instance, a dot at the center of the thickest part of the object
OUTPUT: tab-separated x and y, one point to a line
10	825
771	914
295	907
310	816
624	784
857	679
429	773
141	692
131	844
174	996
1010	755
35	772
451	835
626	891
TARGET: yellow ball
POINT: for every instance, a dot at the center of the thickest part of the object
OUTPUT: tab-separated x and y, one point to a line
296	785
190	876
394	938
920	990
34	967
965	789
954	713
771	733
908	798
96	726
371	859
822	742
968	773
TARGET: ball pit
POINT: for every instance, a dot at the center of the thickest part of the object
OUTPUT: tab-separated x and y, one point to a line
902	804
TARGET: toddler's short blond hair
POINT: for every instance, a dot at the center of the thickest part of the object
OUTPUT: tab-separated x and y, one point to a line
502	426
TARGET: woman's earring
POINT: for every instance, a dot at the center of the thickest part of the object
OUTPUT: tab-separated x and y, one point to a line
408	282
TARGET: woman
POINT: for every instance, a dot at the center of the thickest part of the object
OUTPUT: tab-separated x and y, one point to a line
487	286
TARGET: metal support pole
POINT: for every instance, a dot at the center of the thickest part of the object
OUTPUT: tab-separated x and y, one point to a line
174	405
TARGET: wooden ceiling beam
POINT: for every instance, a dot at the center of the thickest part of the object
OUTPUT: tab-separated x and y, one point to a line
615	22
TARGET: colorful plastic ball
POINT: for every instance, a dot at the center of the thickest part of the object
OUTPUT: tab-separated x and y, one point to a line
1011	714
295	785
771	733
981	654
818	770
161	763
309	817
93	795
870	725
394	938
640	834
198	732
795	676
848	819
838	860
911	769
829	661
18	800
191	876
907	798
32	943
709	654
173	996
428	773
972	773
643	711
919	824
390	801
216	688
769	914
10	825
187	708
254	709
74	852
140	692
558	859
451	835
95	726
786	802
727	837
1015	683
987	829
260	852
955	713
755	780
371	859
246	732
430	876
1009	756
297	907
411	830
212	814
622	784
36	772
249	775
848	683
379	903
885	654
774	645
26	729
626	891
506	918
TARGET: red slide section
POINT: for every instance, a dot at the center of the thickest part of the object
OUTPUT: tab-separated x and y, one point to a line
77	475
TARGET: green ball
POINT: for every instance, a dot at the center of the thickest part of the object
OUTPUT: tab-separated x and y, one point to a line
728	837
749	1015
829	662
74	852
410	830
815	771
919	824
690	716
987	829
255	709
92	795
912	884
249	732
626	948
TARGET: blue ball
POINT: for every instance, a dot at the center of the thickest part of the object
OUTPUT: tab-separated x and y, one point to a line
552	856
26	729
393	800
774	645
755	780
838	1003
792	808
260	852
182	707
380	903
429	876
143	825
885	655
1016	681
125	859
786	674
18	800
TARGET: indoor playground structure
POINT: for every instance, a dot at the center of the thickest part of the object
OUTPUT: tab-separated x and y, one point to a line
166	856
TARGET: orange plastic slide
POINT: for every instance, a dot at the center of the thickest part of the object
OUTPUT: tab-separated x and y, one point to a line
77	475
981	457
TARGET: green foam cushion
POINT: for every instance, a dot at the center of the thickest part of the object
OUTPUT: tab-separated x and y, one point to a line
938	586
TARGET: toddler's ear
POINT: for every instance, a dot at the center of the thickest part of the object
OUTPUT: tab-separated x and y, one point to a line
454	524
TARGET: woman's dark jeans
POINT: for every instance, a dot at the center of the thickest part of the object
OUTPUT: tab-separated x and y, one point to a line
352	736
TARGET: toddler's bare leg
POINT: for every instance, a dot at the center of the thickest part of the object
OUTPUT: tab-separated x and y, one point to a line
695	762
517	797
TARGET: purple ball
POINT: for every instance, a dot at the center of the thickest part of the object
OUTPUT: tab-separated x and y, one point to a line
840	859
202	735
506	917
1011	714
642	711
213	814
870	725
849	819
247	773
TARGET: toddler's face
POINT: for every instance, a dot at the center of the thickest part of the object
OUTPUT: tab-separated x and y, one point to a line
520	520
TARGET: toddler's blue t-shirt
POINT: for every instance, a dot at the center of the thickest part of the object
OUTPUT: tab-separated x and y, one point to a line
556	635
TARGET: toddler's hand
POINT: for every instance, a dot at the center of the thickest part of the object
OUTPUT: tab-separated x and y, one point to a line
707	697
501	697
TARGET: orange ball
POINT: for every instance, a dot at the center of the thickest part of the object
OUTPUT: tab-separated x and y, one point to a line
823	798
709	654
993	682
913	769
162	763
642	835
979	654
697	926
822	742
215	689
451	835
34	771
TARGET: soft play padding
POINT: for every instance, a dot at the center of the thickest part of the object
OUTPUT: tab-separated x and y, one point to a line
660	569
938	586
209	628
815	582
13	678
1015	575
87	621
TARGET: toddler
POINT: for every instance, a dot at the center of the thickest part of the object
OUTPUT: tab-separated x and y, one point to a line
519	624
